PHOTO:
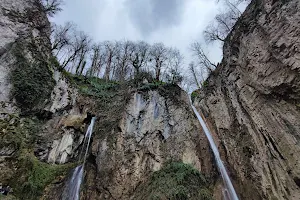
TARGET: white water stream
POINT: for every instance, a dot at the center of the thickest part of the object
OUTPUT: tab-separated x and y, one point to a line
229	192
72	189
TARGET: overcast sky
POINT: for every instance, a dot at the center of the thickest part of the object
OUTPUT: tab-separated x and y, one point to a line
176	23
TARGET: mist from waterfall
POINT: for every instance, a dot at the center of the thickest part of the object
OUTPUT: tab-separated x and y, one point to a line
72	189
229	192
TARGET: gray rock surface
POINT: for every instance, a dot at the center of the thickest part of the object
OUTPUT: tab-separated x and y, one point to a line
252	101
153	130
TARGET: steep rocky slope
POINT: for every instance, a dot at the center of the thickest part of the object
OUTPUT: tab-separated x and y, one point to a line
45	112
144	133
152	129
251	101
155	129
32	91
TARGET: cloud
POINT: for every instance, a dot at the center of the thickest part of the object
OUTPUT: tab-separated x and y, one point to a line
176	23
151	15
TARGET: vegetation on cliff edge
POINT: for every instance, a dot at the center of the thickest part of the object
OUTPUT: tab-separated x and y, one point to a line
32	80
175	181
26	175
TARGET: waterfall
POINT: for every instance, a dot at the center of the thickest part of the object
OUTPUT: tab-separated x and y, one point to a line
229	192
72	189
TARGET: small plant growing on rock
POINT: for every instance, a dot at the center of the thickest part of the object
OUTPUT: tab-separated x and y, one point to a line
175	181
32	80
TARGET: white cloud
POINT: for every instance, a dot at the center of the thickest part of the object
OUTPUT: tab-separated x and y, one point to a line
112	20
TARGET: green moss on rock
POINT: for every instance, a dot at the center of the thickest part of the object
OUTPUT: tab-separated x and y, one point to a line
18	132
33	176
195	94
32	80
175	181
28	176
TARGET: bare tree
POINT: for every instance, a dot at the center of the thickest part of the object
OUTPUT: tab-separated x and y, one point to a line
175	61
201	57
140	56
97	57
196	74
110	49
223	22
83	42
77	50
158	55
124	51
60	36
51	7
212	33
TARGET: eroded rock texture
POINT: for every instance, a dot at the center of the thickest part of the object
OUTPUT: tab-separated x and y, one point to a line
252	101
153	130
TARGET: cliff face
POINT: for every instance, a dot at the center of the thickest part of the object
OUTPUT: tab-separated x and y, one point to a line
153	131
32	91
251	104
44	115
251	101
30	81
135	137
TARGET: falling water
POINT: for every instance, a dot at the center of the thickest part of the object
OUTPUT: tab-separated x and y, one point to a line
229	192
72	189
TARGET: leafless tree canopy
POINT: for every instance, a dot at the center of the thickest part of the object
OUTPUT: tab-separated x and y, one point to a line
224	21
217	30
195	77
158	55
118	60
201	57
174	67
51	7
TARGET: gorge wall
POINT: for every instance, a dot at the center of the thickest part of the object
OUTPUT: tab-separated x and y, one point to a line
251	101
154	130
45	112
251	104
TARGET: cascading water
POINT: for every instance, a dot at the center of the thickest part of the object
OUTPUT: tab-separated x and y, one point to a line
72	189
229	192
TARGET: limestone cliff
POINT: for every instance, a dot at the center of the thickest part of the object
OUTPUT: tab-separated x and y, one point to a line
144	133
30	80
153	131
153	128
32	91
251	101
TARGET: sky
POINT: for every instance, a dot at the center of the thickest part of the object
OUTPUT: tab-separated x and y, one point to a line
176	23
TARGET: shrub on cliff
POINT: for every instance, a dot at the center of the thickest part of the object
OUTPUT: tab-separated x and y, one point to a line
175	181
32	80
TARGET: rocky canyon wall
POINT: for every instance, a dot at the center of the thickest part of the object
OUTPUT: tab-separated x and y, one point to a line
251	101
251	104
153	131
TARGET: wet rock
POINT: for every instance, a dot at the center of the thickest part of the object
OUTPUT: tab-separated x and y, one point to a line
16	23
250	101
152	131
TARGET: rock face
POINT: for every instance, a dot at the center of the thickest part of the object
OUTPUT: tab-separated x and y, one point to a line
25	34
26	68
252	101
15	22
251	104
153	130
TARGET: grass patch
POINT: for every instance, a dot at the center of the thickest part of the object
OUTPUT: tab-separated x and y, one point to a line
93	86
151	86
18	132
175	181
33	176
195	94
